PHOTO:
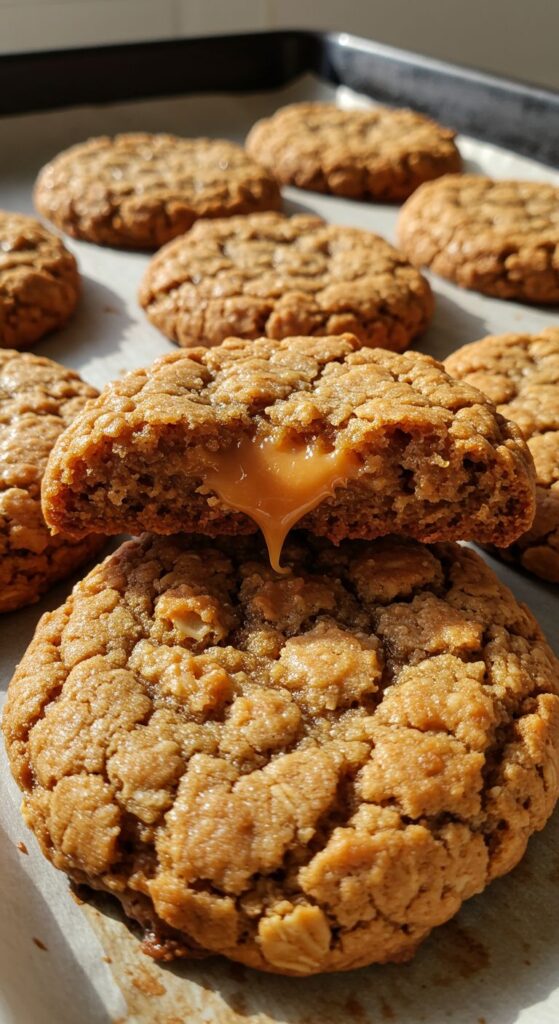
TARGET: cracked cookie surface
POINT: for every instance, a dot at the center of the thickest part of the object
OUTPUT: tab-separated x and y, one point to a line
266	274
382	153
304	773
496	237
39	281
38	399
433	458
520	374
138	190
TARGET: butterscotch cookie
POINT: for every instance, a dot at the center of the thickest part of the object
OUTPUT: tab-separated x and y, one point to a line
39	281
139	190
496	237
303	774
520	374
381	153
38	399
364	441
266	274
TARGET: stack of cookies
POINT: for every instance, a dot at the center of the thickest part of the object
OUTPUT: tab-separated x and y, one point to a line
293	722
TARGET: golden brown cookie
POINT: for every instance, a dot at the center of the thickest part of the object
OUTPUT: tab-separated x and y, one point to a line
39	281
496	237
266	274
304	773
520	374
381	153
139	190
379	443
38	399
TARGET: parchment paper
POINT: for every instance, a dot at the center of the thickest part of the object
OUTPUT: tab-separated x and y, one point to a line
60	963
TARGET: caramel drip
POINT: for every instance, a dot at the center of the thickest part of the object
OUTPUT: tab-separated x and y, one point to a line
277	484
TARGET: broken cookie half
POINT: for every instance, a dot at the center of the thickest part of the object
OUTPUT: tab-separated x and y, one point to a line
347	442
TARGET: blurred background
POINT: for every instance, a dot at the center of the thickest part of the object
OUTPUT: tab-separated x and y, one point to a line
509	37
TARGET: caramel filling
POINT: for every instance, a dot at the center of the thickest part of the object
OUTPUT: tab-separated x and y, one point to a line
277	484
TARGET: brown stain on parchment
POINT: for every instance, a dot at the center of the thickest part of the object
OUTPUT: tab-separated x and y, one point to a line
238	1004
554	873
386	1010
463	953
157	995
355	1010
237	972
145	981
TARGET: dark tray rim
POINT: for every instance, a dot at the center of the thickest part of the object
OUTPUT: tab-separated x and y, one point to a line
522	117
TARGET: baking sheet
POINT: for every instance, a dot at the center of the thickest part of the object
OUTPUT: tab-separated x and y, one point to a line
496	962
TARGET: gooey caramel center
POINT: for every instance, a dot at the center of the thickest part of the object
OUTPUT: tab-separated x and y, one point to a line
276	484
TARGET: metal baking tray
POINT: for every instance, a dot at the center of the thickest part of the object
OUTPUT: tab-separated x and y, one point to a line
60	963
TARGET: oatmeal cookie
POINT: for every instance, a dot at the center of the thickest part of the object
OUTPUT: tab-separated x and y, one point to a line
266	274
38	399
520	374
303	774
139	191
381	153
412	450
39	281
496	237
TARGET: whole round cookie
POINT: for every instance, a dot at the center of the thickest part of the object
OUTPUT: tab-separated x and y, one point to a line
39	281
139	191
381	153
275	276
520	374
38	399
304	773
496	237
